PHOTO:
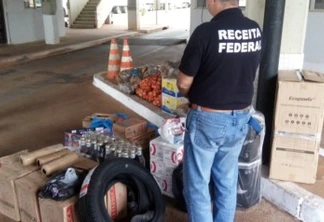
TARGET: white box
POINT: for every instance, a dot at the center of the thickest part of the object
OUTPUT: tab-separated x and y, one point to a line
156	152
165	184
157	168
172	153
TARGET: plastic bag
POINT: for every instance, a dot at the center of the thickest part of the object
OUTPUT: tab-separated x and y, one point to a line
172	130
63	185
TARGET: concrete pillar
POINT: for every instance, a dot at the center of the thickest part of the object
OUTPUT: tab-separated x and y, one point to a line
51	25
51	29
134	18
294	30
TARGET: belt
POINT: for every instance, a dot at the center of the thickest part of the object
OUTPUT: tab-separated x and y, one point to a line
206	109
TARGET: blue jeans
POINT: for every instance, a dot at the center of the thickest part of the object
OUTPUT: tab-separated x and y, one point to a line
213	142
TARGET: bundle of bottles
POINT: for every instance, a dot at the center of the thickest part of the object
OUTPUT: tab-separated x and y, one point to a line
100	147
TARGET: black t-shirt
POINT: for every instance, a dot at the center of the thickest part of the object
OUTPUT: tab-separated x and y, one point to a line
223	55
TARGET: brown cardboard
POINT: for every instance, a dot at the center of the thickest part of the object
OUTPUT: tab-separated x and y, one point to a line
6	160
85	164
299	105
143	139
8	196
60	211
131	127
294	159
87	120
298	124
116	201
27	189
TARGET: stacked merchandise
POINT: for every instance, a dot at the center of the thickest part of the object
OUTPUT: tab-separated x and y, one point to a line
249	179
166	153
32	182
298	126
171	97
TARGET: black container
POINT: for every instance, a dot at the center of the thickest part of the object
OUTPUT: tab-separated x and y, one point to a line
252	146
249	185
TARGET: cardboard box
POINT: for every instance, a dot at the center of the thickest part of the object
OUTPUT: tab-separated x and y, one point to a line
6	160
165	185
157	168
131	127
169	87
116	201
298	126
170	103
164	158
299	103
144	139
27	189
156	153
8	197
63	211
87	120
294	159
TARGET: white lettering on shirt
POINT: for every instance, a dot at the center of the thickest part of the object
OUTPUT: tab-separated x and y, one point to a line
222	34
238	34
222	46
249	40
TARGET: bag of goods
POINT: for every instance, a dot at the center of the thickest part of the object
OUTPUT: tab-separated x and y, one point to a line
173	130
150	89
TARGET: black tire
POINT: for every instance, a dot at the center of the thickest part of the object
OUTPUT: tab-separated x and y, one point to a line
91	205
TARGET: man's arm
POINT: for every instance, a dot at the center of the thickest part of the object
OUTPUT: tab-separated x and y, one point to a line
184	83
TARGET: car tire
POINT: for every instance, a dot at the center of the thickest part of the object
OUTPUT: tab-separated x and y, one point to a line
99	180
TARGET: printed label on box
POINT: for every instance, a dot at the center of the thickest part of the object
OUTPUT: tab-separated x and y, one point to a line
173	156
167	187
156	151
169	86
157	168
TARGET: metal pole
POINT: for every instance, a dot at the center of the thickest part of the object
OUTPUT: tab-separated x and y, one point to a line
272	31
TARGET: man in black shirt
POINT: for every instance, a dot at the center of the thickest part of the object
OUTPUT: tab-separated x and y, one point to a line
217	72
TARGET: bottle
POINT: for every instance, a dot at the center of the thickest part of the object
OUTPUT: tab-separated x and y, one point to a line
101	152
94	153
113	150
139	156
132	154
82	144
125	154
119	153
109	152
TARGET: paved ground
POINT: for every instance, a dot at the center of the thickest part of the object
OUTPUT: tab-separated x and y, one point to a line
42	99
73	36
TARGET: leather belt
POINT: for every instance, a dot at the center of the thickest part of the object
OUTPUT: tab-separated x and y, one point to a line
206	109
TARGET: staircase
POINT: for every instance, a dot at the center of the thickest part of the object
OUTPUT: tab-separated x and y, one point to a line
87	19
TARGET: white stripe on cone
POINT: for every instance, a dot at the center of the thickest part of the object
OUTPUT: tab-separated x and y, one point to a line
114	46
114	57
126	59
113	68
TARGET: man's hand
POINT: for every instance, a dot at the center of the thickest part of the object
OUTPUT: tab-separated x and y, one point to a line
184	83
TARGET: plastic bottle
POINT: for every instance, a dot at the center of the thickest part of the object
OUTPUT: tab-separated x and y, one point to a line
139	156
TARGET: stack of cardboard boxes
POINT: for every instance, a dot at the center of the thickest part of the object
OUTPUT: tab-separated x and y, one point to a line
298	126
164	158
171	97
20	186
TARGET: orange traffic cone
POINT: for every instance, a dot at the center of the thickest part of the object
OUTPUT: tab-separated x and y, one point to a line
114	61
126	60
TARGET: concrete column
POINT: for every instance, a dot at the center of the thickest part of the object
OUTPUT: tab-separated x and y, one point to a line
51	25
294	30
134	17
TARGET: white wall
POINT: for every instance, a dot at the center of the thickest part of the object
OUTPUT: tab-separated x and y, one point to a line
75	7
26	25
314	44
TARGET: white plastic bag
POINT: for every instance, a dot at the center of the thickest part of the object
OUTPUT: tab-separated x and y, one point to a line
172	130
